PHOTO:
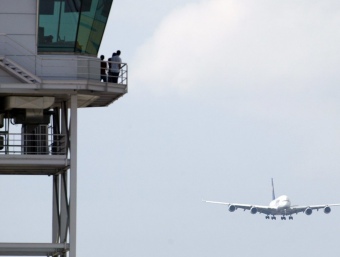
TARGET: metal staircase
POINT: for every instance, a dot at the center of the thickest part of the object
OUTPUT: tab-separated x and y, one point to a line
17	71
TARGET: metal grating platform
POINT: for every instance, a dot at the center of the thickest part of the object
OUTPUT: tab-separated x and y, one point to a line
32	249
91	93
33	164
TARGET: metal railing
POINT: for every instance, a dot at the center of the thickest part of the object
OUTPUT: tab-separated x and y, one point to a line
59	67
77	68
108	76
32	144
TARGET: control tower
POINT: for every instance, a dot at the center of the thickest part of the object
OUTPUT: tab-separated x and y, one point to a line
48	69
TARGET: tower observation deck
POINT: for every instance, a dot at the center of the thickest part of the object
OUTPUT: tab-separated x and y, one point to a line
48	69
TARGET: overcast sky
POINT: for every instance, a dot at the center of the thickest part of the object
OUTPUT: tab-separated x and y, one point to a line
223	95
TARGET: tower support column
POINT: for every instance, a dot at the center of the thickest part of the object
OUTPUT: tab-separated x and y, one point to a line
73	175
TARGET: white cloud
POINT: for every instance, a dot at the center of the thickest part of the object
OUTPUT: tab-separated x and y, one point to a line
263	58
179	54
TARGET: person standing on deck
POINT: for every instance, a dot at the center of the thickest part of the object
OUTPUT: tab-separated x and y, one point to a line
115	66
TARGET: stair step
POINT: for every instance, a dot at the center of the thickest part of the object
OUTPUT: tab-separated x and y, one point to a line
19	71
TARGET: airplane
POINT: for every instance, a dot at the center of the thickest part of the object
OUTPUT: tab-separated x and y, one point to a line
278	206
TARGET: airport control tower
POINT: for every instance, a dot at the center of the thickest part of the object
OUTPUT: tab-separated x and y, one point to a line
48	69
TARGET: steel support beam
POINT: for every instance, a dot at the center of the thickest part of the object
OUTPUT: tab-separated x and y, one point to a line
73	176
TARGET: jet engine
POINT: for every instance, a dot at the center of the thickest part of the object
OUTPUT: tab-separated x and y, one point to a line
308	211
232	208
327	209
253	210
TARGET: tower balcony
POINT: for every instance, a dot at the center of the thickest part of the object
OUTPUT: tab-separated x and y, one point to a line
24	72
33	154
62	76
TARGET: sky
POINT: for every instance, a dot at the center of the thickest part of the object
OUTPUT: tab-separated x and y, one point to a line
223	96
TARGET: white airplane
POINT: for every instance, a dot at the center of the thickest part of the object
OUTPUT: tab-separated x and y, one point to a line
278	206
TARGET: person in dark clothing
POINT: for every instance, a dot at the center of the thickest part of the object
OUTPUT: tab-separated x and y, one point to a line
103	69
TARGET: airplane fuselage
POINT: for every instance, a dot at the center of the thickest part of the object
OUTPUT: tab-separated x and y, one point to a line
280	203
280	206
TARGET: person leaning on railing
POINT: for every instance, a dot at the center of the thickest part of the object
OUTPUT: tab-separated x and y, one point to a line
115	67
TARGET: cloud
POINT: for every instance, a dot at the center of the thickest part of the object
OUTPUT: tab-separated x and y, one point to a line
179	53
265	57
227	43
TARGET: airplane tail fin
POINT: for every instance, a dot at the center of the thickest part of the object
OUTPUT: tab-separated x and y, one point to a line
273	192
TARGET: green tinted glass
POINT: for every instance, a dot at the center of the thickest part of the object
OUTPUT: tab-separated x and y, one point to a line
72	25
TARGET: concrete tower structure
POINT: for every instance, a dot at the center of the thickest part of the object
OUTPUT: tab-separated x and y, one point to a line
48	69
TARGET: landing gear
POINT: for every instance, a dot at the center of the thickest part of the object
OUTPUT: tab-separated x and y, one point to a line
284	217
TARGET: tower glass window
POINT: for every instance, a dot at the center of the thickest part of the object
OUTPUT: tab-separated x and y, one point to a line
72	25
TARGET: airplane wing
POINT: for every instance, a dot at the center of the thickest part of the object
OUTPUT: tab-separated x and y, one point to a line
295	209
237	205
254	208
298	208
